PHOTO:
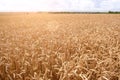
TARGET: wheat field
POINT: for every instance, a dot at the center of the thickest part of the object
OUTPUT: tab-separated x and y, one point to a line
42	46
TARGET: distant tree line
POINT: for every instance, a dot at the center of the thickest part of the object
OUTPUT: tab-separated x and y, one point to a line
109	12
114	12
75	12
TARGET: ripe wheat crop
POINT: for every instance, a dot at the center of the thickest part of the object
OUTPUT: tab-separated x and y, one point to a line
37	46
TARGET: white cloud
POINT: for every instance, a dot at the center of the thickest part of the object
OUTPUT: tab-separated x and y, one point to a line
110	5
59	5
81	5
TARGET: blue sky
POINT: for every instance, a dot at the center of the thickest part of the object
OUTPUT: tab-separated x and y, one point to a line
59	5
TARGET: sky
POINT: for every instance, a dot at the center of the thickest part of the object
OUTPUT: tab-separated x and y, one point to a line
59	5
